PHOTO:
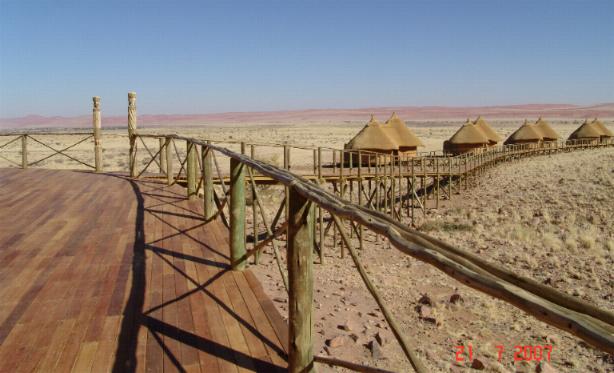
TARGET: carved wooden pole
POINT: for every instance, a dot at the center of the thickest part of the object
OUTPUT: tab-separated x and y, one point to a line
237	215
24	151
300	294
97	134
191	170
132	131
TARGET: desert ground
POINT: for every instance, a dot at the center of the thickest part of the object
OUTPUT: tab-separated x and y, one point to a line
548	218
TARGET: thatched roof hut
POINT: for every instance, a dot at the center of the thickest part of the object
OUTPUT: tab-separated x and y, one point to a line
493	136
397	130
547	132
468	138
527	133
374	138
605	132
587	131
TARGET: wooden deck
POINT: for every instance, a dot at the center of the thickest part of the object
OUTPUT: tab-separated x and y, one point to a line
102	273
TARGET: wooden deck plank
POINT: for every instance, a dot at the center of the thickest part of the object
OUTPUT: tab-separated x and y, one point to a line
98	272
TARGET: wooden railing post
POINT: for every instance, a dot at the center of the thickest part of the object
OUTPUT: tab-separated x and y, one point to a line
97	134
300	293
163	150
169	161
254	196
209	203
24	151
237	215
191	170
132	131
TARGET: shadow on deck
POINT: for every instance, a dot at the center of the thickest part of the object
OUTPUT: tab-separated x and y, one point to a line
101	272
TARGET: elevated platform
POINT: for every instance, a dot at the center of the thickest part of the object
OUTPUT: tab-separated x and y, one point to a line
102	273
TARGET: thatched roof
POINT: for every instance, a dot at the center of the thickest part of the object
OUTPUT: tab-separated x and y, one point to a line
526	133
469	133
547	132
586	131
398	131
492	135
604	130
372	137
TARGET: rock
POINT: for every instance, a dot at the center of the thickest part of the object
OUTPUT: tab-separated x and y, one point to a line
327	350
498	367
425	299
280	300
427	314
522	366
354	337
381	338
544	367
381	325
456	298
477	364
554	339
376	351
335	342
345	326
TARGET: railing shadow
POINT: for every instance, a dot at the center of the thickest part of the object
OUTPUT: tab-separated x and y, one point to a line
134	314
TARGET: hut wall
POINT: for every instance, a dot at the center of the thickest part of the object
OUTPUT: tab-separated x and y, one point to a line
408	150
463	148
530	143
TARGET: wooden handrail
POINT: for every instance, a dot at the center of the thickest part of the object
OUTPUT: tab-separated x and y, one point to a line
581	319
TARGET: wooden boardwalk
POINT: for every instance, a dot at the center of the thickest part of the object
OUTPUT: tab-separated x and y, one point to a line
101	273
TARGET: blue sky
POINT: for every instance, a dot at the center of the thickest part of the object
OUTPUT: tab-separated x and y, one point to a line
202	57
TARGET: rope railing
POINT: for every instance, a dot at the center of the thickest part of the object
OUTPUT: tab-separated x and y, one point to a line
591	324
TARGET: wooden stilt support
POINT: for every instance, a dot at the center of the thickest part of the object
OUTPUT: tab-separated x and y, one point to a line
320	211
169	161
207	165
437	182
252	155
450	178
359	184
191	170
237	215
163	150
300	269
24	151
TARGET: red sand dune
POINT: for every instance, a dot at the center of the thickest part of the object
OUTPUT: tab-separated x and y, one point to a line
324	115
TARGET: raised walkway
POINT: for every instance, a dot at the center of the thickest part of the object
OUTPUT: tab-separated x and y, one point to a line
102	273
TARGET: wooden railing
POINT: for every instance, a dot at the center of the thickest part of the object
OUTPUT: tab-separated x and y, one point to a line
398	185
44	143
36	138
306	201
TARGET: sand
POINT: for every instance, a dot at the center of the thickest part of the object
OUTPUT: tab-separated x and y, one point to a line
549	218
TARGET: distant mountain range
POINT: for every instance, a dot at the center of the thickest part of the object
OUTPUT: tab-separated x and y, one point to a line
408	113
